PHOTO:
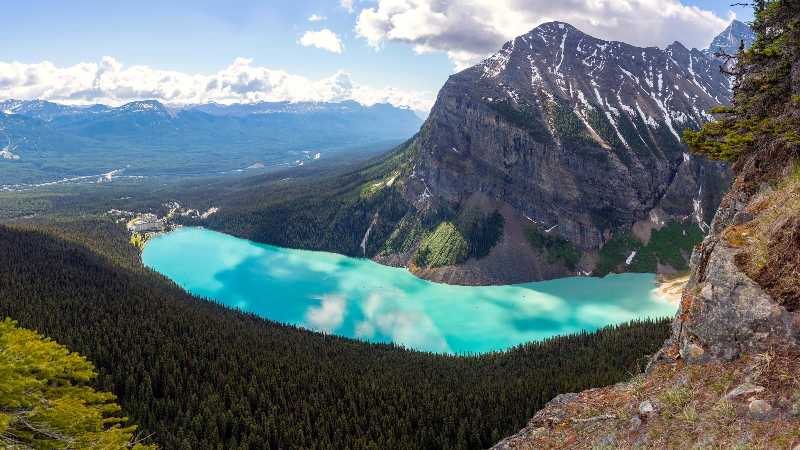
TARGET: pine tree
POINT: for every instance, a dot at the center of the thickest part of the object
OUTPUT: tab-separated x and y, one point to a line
45	402
764	105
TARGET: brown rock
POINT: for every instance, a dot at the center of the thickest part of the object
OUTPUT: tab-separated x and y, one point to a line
692	352
759	409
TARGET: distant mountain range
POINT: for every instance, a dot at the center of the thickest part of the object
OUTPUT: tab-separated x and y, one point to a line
50	141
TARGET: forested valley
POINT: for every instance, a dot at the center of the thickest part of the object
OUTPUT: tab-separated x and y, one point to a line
198	375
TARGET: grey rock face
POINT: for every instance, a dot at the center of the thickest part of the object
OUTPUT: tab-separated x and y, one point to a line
646	409
723	310
731	314
576	132
693	352
731	38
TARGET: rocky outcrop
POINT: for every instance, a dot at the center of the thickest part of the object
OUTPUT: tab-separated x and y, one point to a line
727	313
723	310
747	403
728	375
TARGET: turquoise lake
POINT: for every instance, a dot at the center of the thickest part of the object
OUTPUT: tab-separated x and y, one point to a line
361	299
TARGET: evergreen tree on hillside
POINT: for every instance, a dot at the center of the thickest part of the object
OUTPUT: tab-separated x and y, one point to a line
45	402
765	101
195	375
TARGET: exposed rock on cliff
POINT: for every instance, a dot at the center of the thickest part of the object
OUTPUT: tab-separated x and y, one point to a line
576	139
729	376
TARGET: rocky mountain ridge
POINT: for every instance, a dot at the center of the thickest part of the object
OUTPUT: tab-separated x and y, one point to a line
49	111
622	105
576	141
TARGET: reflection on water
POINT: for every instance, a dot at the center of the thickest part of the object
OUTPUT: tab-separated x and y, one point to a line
358	298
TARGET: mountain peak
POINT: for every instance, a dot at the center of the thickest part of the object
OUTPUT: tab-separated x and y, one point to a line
143	106
735	23
558	86
555	26
729	40
678	45
41	109
549	29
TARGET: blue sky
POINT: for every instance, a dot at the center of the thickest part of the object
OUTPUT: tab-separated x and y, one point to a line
410	50
203	36
722	7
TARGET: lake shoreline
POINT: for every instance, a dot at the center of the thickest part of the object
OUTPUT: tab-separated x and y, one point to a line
362	299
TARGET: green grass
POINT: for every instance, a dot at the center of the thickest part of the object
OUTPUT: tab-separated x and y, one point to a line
671	245
615	252
444	247
674	400
404	236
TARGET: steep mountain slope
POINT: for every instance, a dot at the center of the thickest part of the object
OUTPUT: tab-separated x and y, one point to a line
731	39
588	131
146	138
576	142
729	376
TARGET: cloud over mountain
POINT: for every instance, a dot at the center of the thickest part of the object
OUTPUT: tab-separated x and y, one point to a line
470	30
110	82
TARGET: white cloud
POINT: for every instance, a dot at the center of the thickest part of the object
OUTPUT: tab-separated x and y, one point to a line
329	315
316	18
409	328
470	30
324	39
347	4
112	83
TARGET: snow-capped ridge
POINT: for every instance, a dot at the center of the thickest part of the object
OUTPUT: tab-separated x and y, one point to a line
636	88
152	106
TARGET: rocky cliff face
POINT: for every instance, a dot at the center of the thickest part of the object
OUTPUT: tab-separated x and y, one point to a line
574	132
576	137
729	376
